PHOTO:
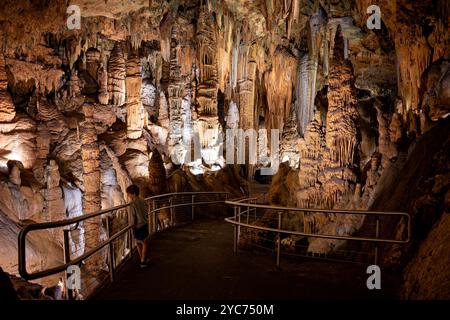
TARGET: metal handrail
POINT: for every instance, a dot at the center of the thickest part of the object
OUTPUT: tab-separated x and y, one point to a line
236	221
230	202
62	223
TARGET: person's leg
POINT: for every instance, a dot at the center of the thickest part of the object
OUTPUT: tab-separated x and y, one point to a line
145	248
139	247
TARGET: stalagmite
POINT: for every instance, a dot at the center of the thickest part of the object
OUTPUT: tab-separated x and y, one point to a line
311	151
289	142
74	85
342	124
158	182
386	146
54	194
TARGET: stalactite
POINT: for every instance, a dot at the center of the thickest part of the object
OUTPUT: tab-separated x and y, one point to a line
279	83
234	67
326	49
345	48
303	91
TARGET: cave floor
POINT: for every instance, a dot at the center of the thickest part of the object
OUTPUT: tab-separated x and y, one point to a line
197	262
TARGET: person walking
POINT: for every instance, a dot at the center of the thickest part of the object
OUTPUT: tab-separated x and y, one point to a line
139	220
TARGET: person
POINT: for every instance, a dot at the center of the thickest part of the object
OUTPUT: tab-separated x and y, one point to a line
139	221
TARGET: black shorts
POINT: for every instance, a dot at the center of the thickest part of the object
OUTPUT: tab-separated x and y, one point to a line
141	233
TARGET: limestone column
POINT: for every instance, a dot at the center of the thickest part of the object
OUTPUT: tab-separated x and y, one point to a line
175	94
135	110
116	76
91	177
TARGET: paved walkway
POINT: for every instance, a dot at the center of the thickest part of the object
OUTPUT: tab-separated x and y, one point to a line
197	262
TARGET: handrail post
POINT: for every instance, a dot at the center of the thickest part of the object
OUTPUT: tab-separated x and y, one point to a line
155	221
279	240
377	235
239	228
235	232
248	213
171	212
193	207
66	248
110	247
130	234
